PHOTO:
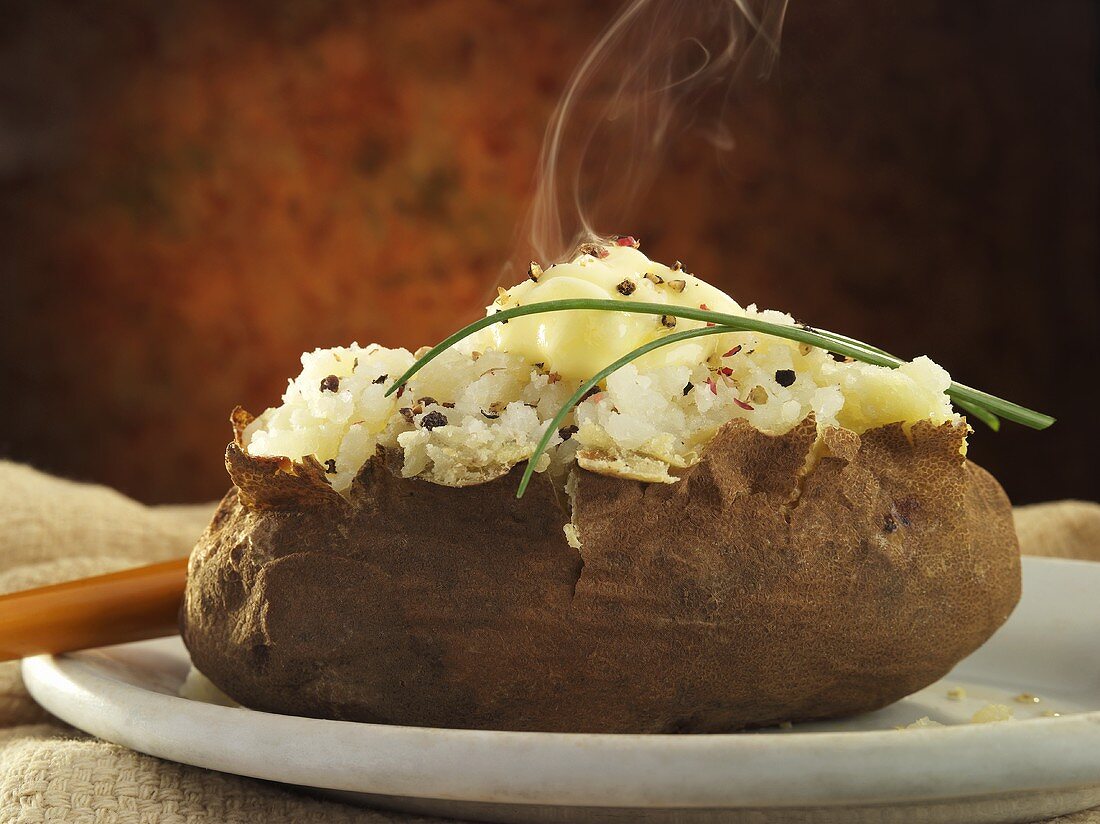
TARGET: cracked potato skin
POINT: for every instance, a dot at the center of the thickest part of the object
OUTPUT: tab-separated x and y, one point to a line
744	595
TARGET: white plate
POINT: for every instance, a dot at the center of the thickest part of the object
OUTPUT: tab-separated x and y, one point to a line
858	769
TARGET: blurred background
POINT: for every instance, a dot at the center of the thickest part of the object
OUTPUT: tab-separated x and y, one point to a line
193	193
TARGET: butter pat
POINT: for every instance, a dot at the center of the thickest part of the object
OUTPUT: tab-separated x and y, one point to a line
578	344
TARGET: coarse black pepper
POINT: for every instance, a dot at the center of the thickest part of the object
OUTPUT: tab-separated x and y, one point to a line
330	384
490	415
330	466
433	419
668	321
688	387
567	432
626	288
889	524
784	377
381	379
677	285
406	413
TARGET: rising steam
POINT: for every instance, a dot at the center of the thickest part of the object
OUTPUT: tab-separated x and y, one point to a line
663	68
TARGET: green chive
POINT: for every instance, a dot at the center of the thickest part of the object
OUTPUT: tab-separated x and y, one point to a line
983	415
965	397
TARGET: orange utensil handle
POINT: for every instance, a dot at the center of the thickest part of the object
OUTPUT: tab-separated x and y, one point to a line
129	605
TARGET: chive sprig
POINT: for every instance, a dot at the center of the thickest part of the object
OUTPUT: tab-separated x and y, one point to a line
981	405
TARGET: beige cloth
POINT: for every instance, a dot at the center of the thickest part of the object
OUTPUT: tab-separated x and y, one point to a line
54	530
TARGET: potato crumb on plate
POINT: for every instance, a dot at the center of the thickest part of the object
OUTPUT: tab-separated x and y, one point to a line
921	723
991	713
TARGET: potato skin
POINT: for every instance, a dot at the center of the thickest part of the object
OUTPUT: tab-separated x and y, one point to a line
744	595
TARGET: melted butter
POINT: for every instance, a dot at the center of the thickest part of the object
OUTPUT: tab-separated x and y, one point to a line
576	344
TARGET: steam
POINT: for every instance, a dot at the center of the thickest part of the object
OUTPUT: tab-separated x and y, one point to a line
663	68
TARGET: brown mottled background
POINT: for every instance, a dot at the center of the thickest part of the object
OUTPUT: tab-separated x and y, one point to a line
192	193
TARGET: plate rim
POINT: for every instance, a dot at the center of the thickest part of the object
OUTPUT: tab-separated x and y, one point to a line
581	769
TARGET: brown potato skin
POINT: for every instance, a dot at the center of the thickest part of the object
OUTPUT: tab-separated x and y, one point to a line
744	595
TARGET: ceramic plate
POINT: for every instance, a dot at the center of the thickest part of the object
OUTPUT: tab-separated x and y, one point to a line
858	769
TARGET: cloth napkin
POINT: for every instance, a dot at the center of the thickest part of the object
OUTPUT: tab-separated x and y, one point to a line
54	530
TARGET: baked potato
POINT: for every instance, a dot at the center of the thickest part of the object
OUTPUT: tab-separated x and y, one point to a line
671	568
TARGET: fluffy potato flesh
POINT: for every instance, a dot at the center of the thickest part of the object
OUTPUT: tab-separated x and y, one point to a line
481	407
784	577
